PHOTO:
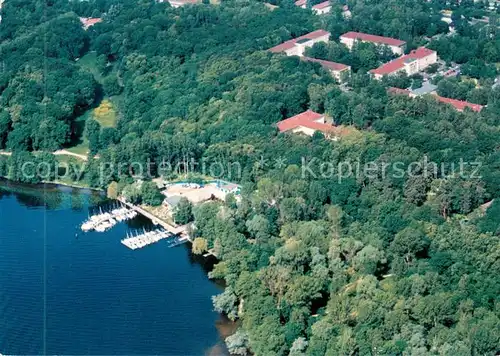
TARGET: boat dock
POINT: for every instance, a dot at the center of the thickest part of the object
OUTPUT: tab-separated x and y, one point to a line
180	230
175	235
105	221
145	239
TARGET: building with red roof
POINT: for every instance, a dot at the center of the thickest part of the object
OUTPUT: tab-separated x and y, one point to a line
309	122
297	46
411	63
322	8
396	46
346	13
319	9
399	91
89	21
336	69
460	105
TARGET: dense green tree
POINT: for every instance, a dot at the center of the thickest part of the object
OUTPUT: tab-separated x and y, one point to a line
183	213
150	194
111	86
93	134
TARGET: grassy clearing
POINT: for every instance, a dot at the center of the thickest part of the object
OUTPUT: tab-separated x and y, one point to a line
64	177
81	148
68	158
105	113
89	62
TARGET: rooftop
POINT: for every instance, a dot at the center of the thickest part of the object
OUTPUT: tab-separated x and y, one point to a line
305	38
398	63
299	120
398	91
426	88
183	2
89	21
322	5
459	104
309	120
328	65
173	201
300	2
374	38
229	186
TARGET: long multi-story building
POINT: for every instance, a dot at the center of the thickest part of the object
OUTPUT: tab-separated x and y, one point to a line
297	46
411	63
459	105
335	69
350	38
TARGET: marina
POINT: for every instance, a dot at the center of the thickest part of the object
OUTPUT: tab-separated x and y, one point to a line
146	238
93	288
106	220
179	230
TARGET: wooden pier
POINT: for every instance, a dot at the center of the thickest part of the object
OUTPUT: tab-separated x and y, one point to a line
180	230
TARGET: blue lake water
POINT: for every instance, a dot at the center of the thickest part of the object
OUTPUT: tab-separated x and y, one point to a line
65	292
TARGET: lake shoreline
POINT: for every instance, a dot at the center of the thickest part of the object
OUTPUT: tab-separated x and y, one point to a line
51	184
223	325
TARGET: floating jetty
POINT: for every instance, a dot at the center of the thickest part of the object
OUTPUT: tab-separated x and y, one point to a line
105	221
175	235
146	238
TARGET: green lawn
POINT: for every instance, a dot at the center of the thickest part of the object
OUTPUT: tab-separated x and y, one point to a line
80	145
66	158
88	61
82	148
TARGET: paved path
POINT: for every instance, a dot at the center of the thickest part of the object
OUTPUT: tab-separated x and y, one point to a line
68	153
55	153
